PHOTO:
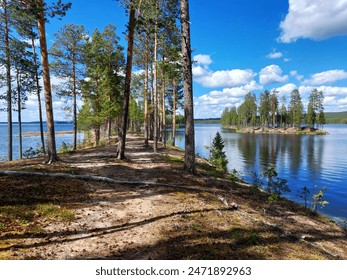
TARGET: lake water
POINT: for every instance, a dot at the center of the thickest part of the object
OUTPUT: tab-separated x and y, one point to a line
303	160
34	142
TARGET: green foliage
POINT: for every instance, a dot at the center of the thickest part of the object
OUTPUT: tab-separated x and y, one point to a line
317	198
275	184
257	181
64	148
218	157
303	194
273	198
31	152
102	87
296	108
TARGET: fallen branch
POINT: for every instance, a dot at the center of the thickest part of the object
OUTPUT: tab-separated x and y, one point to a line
82	177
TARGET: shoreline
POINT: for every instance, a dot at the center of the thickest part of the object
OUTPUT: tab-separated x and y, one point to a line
270	130
35	134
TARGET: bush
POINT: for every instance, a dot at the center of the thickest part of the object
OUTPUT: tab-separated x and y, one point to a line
31	152
275	184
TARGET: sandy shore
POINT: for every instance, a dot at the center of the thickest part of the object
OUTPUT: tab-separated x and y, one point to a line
33	134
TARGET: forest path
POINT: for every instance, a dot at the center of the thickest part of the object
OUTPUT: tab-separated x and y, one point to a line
176	216
116	221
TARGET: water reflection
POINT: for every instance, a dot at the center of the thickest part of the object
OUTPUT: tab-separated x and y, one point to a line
302	160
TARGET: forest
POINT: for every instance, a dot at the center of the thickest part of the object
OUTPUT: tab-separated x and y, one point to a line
97	69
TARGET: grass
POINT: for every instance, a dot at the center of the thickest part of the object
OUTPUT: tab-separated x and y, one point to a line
18	216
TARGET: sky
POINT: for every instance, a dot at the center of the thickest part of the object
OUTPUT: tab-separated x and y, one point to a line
243	46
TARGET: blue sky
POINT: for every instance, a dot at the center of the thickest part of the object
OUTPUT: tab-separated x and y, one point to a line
246	45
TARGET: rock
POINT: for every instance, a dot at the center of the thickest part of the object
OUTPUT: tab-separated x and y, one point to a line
233	206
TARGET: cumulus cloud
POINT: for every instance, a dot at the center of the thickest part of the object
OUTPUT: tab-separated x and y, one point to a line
203	59
216	79
272	74
314	19
286	89
199	71
223	78
296	75
274	55
326	77
213	103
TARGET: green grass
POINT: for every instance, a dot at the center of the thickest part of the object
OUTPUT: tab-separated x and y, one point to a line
22	215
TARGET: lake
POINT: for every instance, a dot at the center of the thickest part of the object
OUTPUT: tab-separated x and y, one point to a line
34	142
303	160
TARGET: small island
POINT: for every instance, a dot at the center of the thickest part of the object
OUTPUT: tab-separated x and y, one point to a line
278	130
268	115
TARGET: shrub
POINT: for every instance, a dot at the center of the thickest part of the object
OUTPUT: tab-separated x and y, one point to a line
217	154
275	184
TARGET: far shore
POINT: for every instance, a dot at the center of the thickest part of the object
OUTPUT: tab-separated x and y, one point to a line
278	130
34	134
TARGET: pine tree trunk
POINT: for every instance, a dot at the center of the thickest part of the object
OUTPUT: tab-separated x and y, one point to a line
146	119
125	113
155	89
189	158
9	84
37	80
19	110
174	92
74	93
51	149
163	128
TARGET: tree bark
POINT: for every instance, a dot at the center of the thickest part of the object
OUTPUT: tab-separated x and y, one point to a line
38	92
19	108
9	83
146	119
155	88
174	105
163	128
125	115
189	158
74	93
51	149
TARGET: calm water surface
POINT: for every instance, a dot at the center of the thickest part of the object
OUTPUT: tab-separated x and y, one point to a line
34	142
303	160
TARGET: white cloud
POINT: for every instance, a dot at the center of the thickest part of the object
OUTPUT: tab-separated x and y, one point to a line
198	71
212	104
224	78
203	59
326	77
272	74
274	55
286	89
314	19
338	92
296	75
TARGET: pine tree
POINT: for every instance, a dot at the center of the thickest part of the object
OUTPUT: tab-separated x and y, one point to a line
189	159
67	57
128	72
218	157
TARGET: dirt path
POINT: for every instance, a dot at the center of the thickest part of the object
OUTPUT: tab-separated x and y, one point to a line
201	217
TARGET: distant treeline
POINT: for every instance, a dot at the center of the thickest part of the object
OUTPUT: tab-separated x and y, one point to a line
207	121
336	117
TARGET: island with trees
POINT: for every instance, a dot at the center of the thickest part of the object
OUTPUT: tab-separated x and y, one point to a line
274	116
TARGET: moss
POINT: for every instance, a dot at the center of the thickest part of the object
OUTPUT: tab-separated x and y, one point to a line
51	211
